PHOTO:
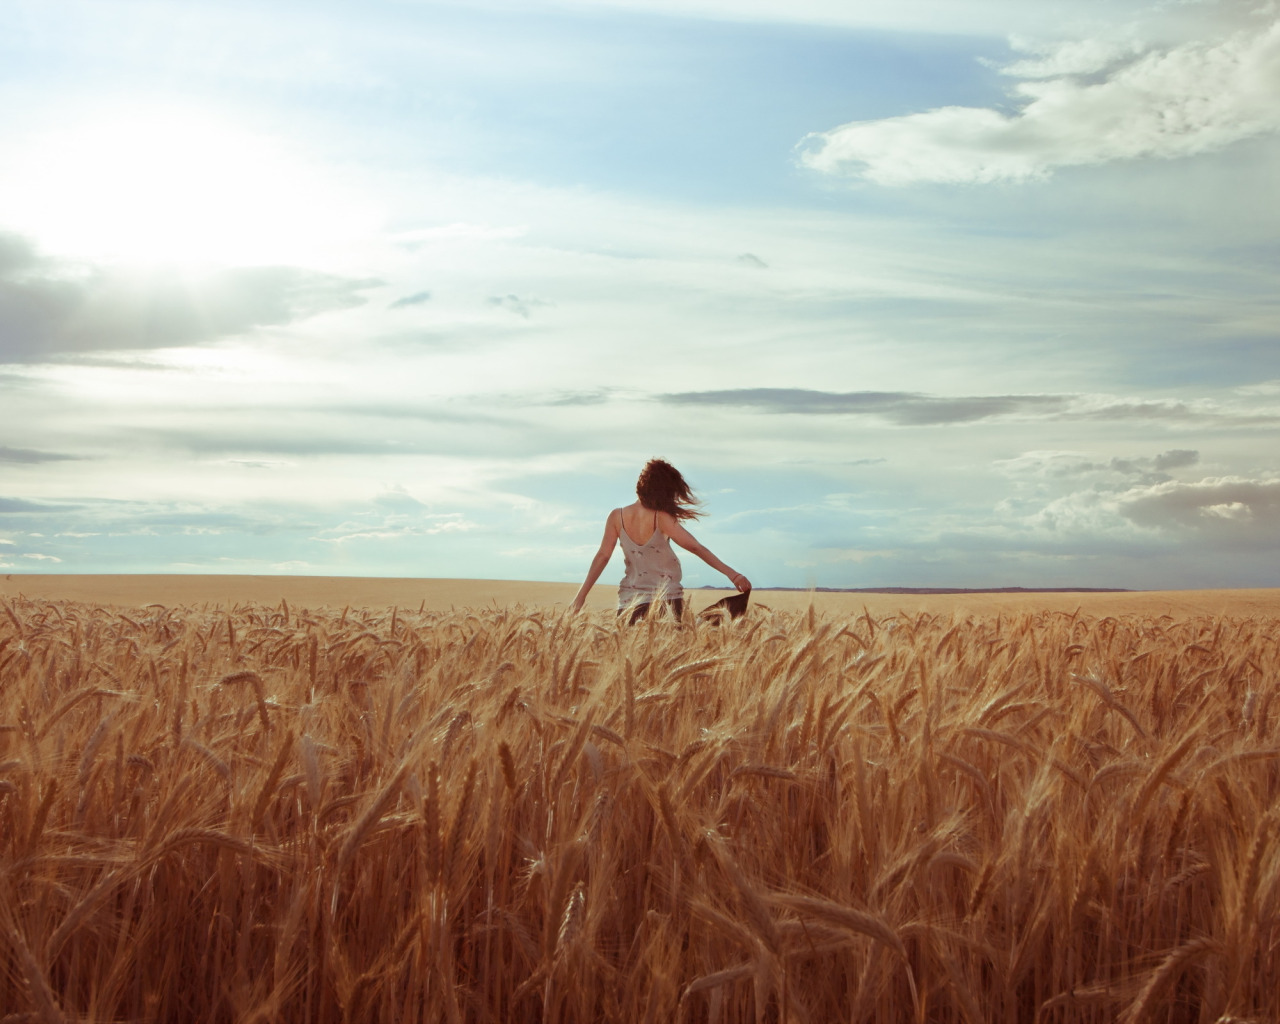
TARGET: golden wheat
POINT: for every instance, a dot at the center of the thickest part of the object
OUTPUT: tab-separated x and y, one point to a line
505	815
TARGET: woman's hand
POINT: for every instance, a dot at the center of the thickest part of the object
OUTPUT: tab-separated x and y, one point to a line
741	582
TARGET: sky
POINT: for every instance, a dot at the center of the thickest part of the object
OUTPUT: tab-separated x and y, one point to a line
925	293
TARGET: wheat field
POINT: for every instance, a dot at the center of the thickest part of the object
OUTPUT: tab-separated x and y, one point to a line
272	813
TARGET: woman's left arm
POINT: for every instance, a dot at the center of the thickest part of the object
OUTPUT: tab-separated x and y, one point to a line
672	528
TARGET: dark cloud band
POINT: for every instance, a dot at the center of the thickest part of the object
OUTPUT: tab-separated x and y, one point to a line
31	457
912	409
902	407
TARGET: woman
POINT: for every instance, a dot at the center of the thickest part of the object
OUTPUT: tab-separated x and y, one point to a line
645	530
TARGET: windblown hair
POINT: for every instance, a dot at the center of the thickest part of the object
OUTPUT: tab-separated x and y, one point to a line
661	487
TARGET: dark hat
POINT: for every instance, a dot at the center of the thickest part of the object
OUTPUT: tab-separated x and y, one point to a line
732	606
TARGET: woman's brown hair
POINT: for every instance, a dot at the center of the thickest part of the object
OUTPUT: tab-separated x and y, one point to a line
661	487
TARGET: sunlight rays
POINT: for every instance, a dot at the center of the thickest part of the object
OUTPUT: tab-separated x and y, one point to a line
172	185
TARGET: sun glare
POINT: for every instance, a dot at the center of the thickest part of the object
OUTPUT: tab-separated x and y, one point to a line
174	186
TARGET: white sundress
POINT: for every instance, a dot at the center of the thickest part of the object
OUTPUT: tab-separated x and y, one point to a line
653	571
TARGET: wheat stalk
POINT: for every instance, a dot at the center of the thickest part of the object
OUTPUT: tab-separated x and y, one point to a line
505	814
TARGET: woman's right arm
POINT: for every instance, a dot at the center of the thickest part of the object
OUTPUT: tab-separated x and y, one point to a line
598	563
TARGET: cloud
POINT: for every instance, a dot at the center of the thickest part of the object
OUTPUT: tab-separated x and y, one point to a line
391	529
1146	410
750	259
1176	102
1074	57
599	396
397	499
1225	507
1113	473
901	407
1175	458
43	558
99	530
518	306
29	456
22	505
339	432
49	308
1168	411
16	253
416	299
1215	530
908	408
258	463
1153	470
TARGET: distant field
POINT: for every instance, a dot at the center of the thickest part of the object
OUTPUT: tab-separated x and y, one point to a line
325	804
443	594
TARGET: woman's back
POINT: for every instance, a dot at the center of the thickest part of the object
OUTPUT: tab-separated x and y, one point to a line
652	568
638	523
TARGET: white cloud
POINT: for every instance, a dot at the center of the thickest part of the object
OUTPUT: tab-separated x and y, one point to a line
43	558
1077	57
1176	102
1050	465
1214	513
1222	505
1237	510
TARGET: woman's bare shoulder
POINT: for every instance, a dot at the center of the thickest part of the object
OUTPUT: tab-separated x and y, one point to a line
668	523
